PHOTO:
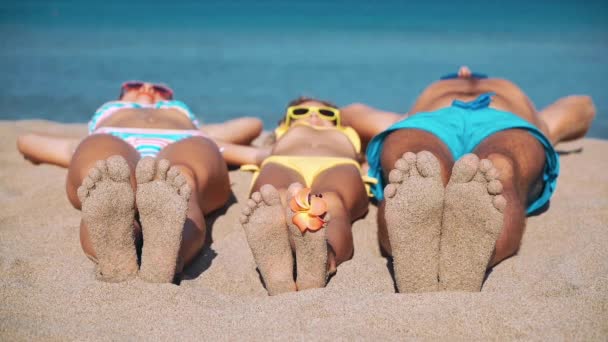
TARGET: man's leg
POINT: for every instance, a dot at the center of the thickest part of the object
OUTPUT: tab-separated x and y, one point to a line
485	206
409	219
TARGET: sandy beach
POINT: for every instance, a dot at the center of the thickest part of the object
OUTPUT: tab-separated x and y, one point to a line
555	288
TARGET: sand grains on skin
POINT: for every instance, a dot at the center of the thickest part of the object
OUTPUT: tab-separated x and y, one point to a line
472	222
263	219
310	248
108	212
413	211
162	202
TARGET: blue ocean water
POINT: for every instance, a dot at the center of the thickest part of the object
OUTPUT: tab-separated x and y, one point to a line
60	60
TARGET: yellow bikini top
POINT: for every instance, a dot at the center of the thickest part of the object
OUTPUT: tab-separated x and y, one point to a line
349	132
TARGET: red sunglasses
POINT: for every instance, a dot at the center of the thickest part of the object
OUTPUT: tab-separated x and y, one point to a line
161	89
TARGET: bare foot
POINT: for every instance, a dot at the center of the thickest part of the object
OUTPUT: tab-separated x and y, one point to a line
472	222
311	250
108	211
413	211
264	222
162	201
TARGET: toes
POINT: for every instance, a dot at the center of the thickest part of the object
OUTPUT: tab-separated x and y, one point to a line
82	193
492	174
390	190
403	165
327	218
396	176
270	195
246	210
257	197
243	219
465	169
495	187
427	164
294	188
500	203
409	157
185	191
88	182
485	165
252	204
118	168
162	168
172	173
94	175
102	166
144	172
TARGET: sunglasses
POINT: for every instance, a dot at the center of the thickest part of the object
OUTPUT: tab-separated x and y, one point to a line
325	113
163	90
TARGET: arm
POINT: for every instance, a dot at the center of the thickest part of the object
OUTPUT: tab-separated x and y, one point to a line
239	155
367	121
238	131
568	118
46	149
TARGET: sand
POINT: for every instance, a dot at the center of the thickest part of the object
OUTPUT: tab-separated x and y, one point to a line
555	288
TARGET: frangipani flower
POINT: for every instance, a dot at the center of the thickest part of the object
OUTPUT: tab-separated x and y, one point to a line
308	210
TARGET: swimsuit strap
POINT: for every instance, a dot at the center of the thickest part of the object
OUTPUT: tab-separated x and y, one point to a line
482	101
454	75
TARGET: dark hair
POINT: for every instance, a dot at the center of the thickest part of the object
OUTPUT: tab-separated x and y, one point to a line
303	99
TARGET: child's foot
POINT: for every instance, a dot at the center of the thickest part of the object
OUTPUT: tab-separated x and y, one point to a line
264	222
162	201
413	209
311	249
472	222
108	211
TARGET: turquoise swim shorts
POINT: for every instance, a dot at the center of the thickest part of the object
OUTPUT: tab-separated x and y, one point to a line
462	127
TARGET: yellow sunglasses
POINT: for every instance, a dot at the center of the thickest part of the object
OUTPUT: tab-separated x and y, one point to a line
300	112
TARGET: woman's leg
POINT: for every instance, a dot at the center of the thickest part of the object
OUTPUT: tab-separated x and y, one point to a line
263	220
201	164
102	187
346	197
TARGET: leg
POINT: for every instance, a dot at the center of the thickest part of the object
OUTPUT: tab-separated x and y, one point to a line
568	118
519	159
264	223
409	220
476	234
101	170
172	203
346	198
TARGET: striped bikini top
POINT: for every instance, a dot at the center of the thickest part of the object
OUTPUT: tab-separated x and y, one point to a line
109	108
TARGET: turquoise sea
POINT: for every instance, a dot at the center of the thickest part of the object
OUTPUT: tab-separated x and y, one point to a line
60	60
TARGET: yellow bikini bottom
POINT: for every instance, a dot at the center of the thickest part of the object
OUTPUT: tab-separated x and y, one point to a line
309	167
